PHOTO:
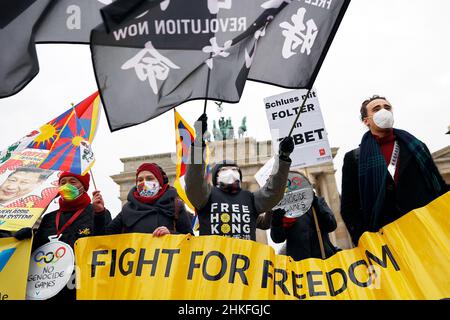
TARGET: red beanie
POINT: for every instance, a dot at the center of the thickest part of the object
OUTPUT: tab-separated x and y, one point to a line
83	179
153	168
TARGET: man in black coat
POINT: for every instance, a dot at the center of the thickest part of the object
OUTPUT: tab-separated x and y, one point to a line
390	174
300	234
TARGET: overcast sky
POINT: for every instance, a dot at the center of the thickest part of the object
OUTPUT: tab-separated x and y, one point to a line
396	48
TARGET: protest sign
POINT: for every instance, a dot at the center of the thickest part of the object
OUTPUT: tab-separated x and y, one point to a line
264	172
309	134
25	191
298	196
51	267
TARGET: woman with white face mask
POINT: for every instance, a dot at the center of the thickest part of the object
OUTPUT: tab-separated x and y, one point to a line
153	206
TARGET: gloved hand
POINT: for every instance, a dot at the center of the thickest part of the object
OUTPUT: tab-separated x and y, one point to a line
277	216
286	148
24	233
201	125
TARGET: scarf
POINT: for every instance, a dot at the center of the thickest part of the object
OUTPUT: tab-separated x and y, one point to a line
134	209
79	203
232	188
373	173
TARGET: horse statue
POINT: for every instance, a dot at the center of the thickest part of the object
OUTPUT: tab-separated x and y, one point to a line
229	130
243	128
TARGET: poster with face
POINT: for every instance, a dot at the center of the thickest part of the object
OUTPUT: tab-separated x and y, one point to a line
25	191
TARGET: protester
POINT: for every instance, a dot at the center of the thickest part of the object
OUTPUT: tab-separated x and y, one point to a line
224	208
300	234
21	182
390	174
73	220
153	207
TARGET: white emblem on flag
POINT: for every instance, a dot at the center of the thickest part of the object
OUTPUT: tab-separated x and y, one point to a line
150	65
272	4
258	34
298	34
215	5
216	50
87	156
164	4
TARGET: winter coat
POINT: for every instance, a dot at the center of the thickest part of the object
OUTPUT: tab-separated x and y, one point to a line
302	241
139	217
81	227
409	193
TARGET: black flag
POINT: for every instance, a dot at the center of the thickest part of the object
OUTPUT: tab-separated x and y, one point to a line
23	23
153	55
18	60
70	21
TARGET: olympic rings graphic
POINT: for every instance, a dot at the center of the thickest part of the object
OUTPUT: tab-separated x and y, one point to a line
42	258
294	183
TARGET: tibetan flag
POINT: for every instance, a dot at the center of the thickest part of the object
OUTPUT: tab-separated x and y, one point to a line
71	151
184	135
49	132
87	112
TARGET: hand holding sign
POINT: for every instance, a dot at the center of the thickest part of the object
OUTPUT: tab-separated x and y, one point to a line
308	135
298	197
286	148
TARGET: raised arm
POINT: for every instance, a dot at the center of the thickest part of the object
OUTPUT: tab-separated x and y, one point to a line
197	188
273	191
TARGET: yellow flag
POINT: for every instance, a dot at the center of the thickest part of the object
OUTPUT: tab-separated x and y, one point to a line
14	262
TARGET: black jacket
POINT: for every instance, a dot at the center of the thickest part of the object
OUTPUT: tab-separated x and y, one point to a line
409	193
302	241
138	217
83	226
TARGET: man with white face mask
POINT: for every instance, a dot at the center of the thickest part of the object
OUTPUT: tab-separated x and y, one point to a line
390	174
224	208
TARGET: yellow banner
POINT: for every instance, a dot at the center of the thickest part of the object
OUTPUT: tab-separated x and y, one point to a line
14	261
408	259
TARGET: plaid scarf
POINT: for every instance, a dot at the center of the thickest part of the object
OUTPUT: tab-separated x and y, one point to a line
373	173
232	188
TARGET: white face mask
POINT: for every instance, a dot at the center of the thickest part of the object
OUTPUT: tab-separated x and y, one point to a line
228	176
384	119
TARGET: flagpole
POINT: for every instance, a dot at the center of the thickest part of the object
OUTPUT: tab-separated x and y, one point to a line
319	234
300	112
207	86
93	180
